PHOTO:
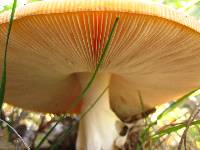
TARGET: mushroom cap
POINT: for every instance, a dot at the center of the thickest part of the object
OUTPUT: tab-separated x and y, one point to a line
155	51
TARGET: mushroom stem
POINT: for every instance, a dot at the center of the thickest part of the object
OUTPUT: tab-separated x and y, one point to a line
97	129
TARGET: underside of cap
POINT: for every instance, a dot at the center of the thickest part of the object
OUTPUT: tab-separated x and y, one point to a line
154	51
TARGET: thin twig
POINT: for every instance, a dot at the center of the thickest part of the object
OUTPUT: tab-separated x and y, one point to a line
184	136
161	142
16	133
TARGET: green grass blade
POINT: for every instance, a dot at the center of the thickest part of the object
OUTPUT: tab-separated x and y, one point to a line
3	77
46	136
55	146
175	104
77	100
95	102
141	102
169	130
145	132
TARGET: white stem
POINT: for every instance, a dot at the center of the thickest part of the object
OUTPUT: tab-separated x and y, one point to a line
97	129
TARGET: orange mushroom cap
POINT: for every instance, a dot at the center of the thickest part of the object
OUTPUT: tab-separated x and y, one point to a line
154	50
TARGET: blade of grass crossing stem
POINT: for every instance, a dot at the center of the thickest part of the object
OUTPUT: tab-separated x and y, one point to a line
76	101
3	77
98	98
81	117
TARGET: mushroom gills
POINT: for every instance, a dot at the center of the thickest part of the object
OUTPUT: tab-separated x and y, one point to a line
97	129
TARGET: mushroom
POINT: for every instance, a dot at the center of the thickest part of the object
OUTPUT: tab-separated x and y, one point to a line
55	46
